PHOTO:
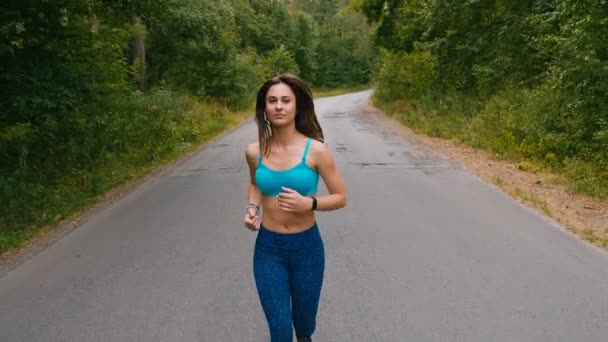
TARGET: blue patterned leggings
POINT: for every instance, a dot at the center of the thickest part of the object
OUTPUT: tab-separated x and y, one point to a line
288	271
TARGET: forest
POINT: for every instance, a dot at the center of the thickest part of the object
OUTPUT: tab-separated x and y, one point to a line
95	93
527	80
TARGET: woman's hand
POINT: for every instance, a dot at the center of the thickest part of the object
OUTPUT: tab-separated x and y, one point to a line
252	219
290	200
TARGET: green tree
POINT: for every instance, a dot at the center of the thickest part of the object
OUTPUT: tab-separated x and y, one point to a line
280	60
304	49
189	51
59	64
344	52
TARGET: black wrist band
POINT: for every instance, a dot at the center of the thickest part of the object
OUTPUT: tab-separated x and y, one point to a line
314	204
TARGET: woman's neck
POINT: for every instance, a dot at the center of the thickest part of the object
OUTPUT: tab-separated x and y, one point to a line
284	136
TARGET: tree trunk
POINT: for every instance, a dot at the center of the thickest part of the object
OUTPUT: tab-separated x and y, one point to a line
139	53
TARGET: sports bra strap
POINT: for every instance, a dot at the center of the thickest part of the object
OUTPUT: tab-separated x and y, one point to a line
306	149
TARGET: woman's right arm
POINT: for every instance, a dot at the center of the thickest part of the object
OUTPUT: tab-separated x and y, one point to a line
254	196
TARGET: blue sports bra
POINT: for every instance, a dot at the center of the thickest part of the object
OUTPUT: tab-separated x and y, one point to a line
300	178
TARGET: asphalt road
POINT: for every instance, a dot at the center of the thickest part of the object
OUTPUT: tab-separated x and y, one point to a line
424	251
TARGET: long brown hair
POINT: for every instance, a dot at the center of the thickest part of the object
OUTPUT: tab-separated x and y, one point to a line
306	118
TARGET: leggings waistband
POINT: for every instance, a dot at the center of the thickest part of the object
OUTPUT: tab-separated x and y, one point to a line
304	239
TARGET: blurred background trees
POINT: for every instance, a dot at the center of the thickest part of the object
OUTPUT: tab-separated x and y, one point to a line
93	84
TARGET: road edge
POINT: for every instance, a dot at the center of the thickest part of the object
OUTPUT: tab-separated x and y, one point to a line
48	235
573	227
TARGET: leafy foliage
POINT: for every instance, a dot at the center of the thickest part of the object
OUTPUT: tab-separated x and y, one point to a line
71	114
535	71
345	55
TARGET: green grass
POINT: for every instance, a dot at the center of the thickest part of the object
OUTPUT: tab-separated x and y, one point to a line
31	207
325	92
591	236
159	128
504	136
13	239
511	137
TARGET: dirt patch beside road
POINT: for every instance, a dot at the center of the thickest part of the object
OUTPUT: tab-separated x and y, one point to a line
586	217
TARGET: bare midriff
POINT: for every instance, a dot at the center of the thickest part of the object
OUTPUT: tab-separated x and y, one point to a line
280	221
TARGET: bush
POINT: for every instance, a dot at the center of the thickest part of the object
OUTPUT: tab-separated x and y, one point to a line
404	75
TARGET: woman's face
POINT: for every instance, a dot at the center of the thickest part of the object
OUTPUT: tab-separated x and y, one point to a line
280	105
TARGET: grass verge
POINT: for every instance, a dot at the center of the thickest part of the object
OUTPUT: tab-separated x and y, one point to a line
156	129
325	92
159	130
556	191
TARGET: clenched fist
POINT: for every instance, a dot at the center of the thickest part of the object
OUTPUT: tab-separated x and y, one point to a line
252	219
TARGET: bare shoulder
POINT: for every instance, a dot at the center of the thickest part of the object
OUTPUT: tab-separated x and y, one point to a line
252	150
320	152
318	147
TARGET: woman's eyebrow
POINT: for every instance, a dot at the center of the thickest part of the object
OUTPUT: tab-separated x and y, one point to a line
283	97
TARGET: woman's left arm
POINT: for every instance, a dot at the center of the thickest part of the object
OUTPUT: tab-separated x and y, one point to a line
335	185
